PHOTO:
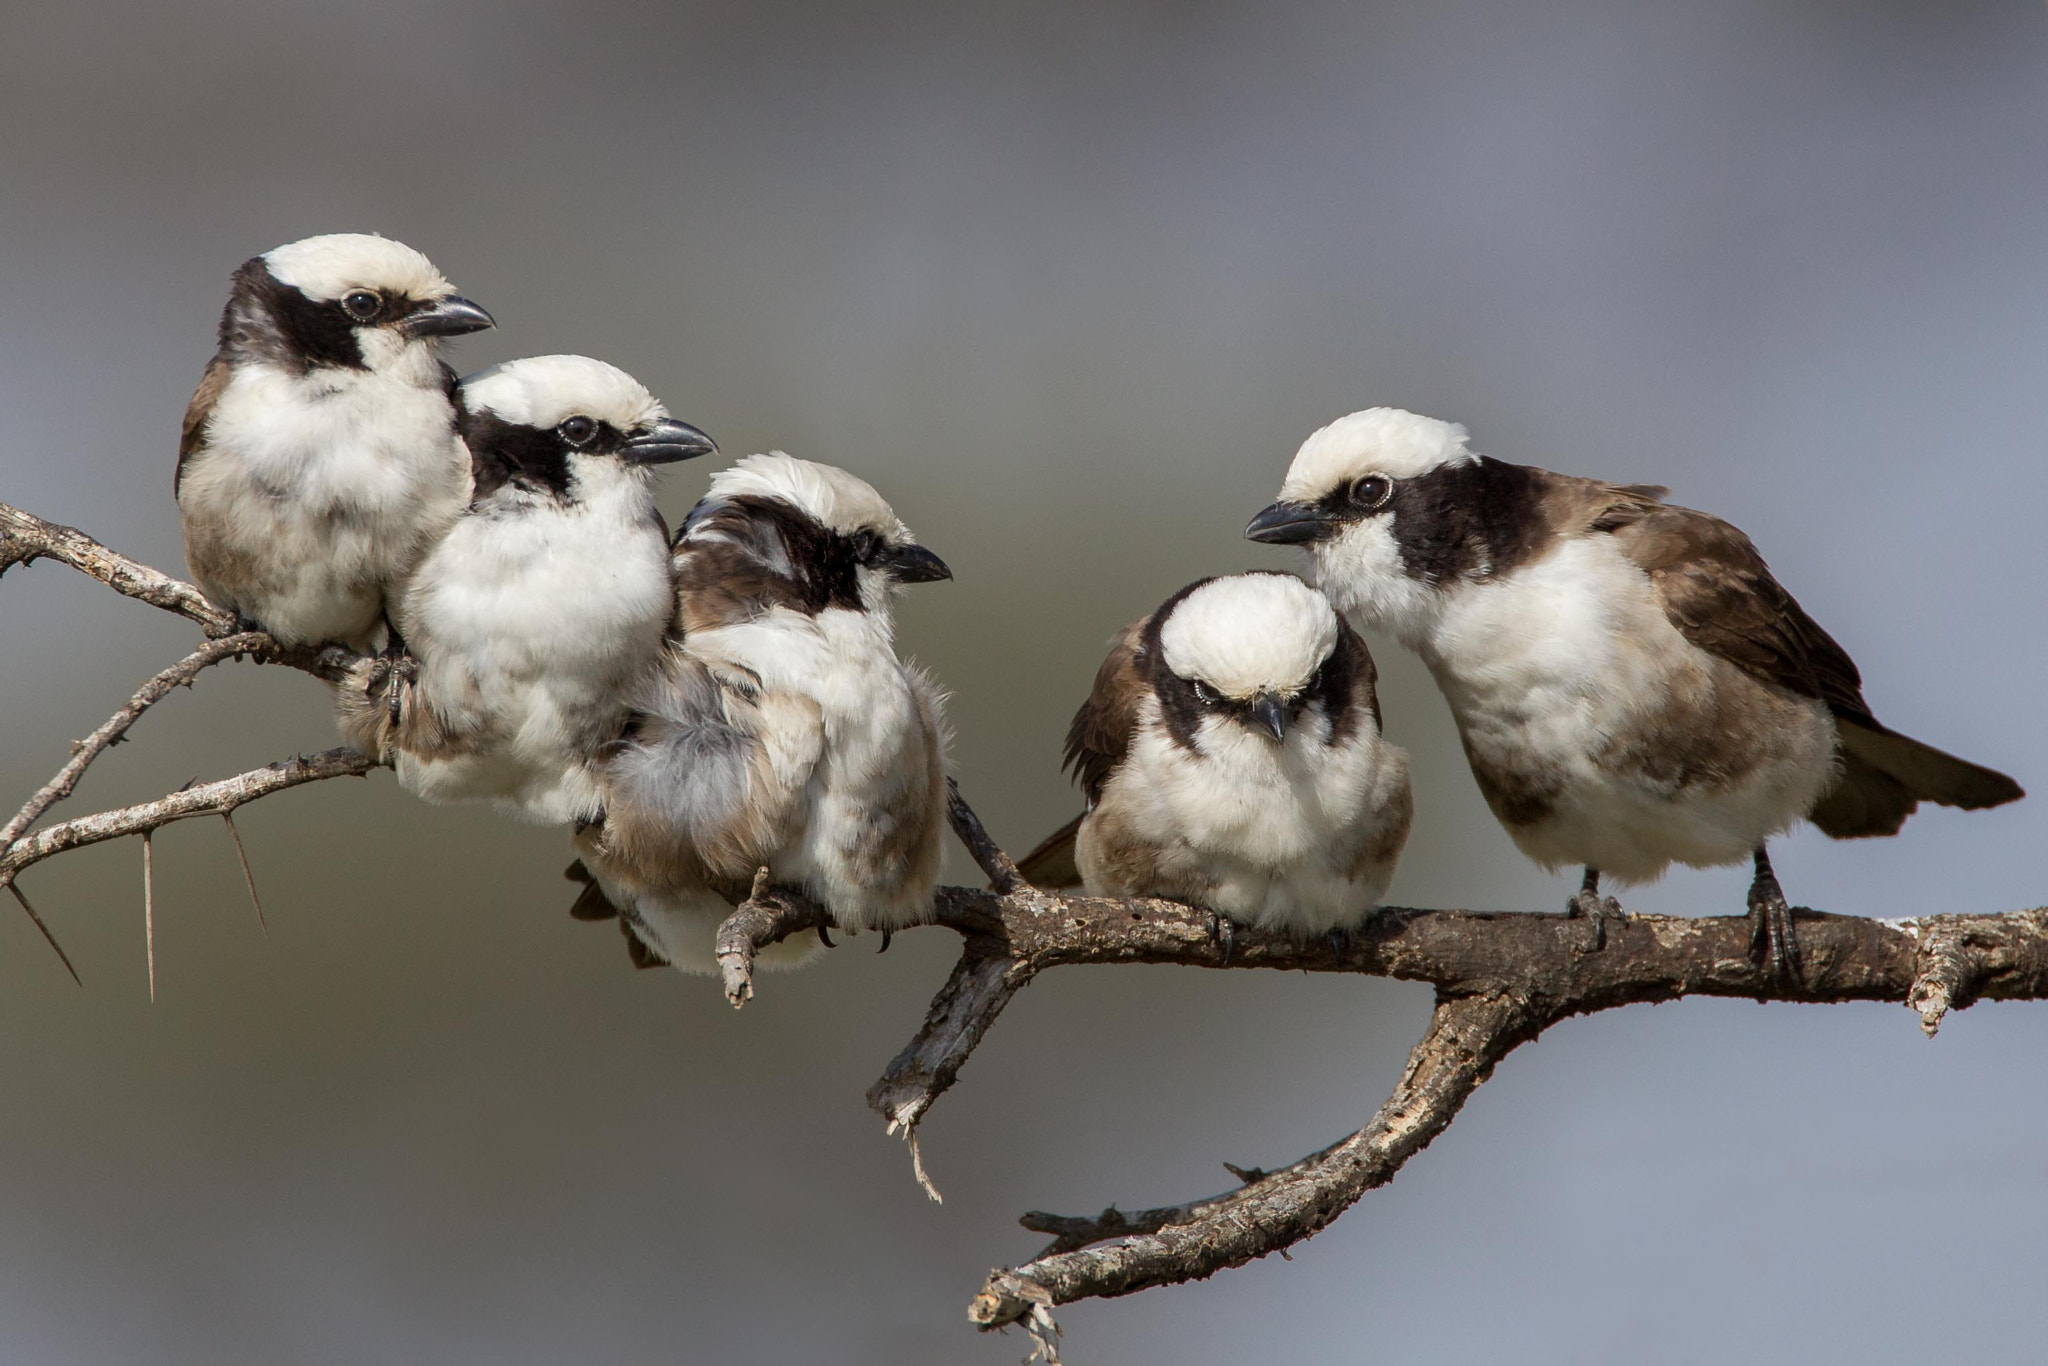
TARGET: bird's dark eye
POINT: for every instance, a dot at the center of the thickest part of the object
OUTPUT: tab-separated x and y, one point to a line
361	304
1371	492
578	430
866	545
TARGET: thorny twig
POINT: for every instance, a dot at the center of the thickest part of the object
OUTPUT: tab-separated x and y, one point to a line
25	538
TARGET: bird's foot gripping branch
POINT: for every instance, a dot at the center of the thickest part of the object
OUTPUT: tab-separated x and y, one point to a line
1500	978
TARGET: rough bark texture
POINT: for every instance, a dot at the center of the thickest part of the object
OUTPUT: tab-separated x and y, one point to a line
1500	978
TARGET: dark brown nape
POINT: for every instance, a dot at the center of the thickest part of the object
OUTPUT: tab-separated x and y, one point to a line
1100	733
1457	521
269	320
1337	683
502	453
823	564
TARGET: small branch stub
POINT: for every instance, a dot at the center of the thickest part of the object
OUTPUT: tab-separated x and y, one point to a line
767	916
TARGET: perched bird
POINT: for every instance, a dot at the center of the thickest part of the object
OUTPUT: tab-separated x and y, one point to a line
781	730
1633	687
319	457
1232	755
546	602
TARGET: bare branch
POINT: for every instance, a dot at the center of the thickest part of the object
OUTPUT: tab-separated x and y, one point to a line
26	538
768	916
1466	1037
980	985
1501	977
114	727
988	856
206	799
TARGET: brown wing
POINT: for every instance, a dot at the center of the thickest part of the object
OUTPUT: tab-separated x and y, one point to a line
1717	590
1101	733
197	412
591	903
1096	743
1052	863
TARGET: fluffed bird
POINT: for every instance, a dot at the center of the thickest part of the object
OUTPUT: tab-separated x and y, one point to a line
532	619
319	457
1633	687
781	730
1232	756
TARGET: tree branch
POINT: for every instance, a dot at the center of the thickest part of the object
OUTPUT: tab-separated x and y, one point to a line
1501	978
1466	1037
768	916
114	727
26	538
206	799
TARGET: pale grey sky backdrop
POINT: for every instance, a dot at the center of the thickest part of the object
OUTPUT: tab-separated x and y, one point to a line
1069	282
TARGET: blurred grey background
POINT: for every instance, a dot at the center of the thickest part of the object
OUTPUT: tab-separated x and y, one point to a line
1069	282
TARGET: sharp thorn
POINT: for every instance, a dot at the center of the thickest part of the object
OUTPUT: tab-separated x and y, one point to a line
48	938
149	914
247	876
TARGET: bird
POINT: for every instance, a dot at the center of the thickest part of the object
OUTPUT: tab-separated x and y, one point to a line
1233	757
319	457
781	730
532	618
1633	686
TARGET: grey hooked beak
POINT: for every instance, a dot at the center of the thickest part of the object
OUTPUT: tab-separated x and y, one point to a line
1290	524
451	317
1271	714
913	564
666	441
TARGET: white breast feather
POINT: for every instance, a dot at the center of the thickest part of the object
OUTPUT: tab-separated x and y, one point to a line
1573	650
533	626
1277	827
874	742
339	480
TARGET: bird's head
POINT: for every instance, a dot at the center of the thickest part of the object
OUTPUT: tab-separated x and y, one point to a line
568	429
1357	489
1249	652
347	300
826	530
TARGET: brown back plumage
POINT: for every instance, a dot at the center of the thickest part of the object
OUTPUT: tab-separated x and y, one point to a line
1097	741
1717	590
193	432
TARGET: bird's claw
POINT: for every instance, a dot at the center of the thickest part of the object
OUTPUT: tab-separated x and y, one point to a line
1223	931
1596	909
1341	940
1773	943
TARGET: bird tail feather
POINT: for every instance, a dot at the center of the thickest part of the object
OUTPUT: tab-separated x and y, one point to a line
1885	776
